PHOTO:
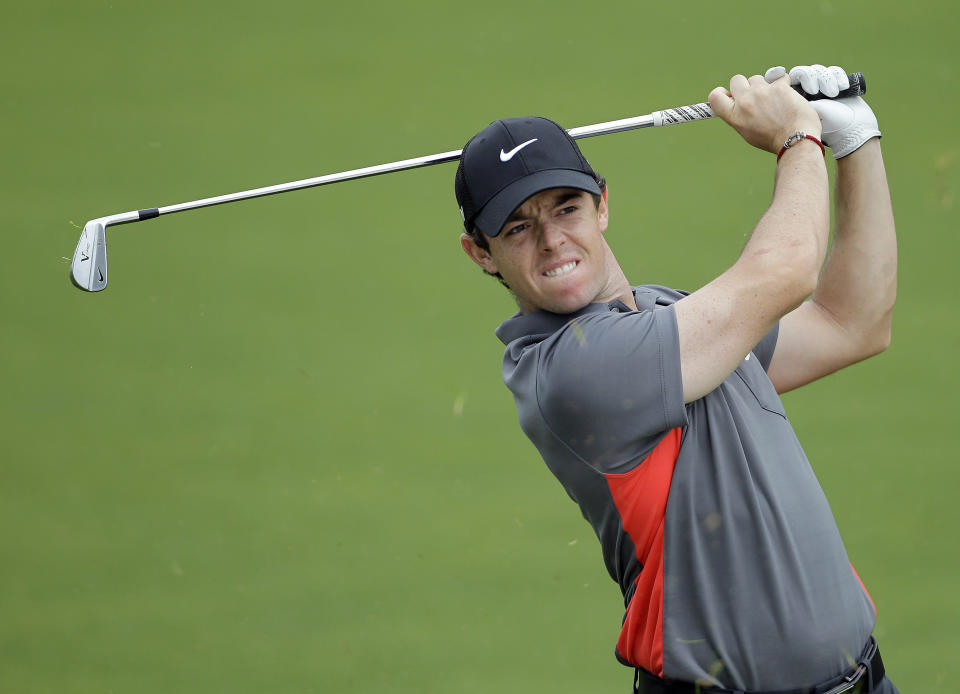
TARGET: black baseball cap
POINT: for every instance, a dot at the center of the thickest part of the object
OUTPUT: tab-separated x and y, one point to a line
512	159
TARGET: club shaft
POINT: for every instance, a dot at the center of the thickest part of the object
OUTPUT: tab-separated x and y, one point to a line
88	270
670	116
365	172
657	118
402	165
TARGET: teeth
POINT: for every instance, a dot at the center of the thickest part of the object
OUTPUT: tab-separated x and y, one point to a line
562	270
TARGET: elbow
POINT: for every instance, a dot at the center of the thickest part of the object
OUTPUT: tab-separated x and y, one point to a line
881	334
879	340
799	276
875	340
807	264
805	286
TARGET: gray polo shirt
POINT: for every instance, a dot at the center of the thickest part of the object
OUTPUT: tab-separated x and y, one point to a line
709	515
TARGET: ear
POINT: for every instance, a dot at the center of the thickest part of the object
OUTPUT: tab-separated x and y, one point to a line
603	211
480	256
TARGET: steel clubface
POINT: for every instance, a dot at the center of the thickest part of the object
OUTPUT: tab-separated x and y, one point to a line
88	270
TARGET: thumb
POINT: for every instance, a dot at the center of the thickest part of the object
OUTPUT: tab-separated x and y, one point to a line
834	114
774	73
721	102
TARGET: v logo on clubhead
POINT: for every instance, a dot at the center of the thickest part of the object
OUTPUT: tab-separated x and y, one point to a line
85	256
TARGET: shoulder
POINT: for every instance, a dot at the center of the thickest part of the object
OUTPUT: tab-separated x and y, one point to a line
608	342
602	382
611	365
597	350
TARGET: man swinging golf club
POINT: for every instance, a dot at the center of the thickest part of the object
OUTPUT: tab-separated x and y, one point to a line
658	410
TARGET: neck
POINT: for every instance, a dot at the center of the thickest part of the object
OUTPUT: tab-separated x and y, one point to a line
617	286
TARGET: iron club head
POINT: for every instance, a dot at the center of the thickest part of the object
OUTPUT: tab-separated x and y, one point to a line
88	271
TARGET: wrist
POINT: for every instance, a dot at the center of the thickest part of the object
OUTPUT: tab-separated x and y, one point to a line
797	138
808	128
868	155
853	143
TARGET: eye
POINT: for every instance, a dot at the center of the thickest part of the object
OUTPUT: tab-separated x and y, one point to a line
568	210
516	229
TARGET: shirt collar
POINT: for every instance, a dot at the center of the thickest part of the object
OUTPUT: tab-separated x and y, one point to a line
541	322
546	323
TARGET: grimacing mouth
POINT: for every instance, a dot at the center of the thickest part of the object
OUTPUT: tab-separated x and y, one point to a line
561	269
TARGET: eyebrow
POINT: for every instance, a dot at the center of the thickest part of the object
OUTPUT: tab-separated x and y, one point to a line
558	200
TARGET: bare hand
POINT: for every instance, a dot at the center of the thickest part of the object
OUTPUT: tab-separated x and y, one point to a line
764	114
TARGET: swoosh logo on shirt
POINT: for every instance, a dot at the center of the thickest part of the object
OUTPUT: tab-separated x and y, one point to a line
507	156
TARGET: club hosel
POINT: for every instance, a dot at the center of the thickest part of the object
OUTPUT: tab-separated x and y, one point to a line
122	218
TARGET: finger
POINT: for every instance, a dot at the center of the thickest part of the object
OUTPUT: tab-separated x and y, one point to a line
738	84
775	73
826	80
756	81
843	82
806	78
795	73
721	102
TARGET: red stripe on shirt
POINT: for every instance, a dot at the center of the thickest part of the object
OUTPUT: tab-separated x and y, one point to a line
864	589
641	500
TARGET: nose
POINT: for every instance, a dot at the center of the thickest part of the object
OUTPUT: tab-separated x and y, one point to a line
551	237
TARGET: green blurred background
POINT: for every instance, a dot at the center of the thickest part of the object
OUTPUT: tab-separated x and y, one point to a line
275	455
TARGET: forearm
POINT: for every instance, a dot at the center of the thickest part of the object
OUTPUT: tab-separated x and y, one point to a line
792	235
720	323
858	284
782	258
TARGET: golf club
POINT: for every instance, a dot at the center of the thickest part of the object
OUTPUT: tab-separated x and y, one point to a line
88	270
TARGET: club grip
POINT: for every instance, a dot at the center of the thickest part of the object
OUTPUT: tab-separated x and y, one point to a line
858	87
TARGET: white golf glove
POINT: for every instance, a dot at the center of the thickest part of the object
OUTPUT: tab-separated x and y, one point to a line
847	123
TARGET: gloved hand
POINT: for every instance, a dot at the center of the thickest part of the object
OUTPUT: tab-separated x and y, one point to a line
847	123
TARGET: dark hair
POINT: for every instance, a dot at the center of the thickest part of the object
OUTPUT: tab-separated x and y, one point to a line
480	238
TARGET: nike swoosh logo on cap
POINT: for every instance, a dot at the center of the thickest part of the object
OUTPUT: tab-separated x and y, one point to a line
507	156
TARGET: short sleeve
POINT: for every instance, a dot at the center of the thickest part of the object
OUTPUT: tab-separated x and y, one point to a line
766	346
609	385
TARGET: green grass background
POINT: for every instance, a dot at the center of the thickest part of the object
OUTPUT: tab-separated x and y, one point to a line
275	455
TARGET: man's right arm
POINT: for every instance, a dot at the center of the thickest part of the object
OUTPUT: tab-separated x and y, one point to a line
719	324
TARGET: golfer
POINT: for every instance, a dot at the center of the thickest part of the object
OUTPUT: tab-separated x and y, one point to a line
658	409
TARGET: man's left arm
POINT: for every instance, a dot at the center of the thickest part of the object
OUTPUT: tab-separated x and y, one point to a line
848	317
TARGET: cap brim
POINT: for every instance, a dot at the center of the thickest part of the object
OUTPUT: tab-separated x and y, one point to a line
496	212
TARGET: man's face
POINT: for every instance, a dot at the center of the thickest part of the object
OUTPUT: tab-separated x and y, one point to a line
551	252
